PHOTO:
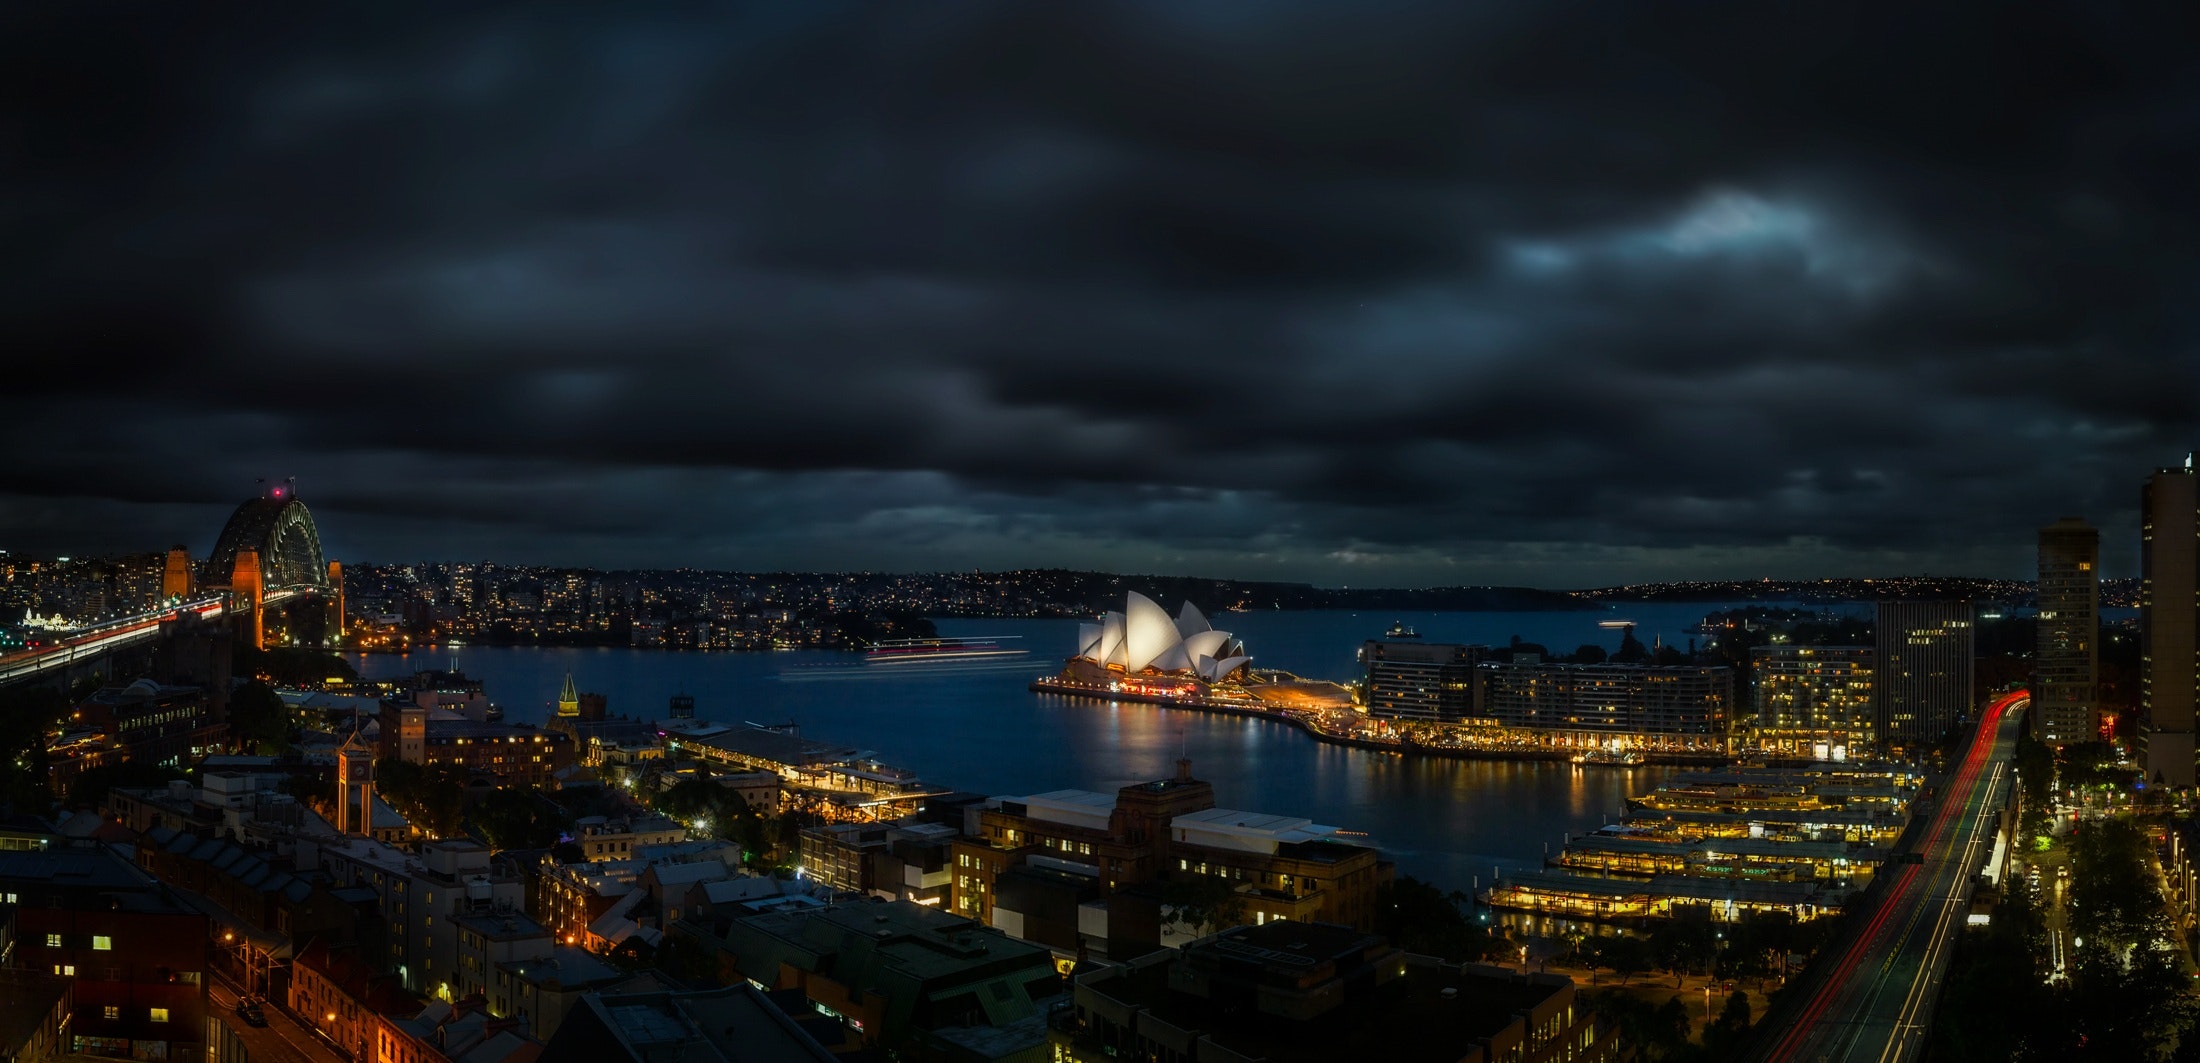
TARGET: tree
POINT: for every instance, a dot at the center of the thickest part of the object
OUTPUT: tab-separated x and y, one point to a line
293	667
1722	1037
1422	919
258	718
1628	956
1200	904
1590	653
26	713
1680	945
434	799
516	818
311	787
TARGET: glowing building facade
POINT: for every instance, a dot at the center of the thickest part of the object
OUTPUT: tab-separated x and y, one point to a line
1813	701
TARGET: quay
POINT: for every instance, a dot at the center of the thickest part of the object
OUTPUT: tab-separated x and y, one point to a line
1311	722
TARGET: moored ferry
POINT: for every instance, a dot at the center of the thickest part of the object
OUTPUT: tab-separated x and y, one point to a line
1627	758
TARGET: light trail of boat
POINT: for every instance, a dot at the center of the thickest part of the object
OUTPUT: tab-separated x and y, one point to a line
946	655
939	670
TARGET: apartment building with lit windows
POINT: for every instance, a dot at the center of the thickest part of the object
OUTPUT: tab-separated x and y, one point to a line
1680	708
1426	682
1812	701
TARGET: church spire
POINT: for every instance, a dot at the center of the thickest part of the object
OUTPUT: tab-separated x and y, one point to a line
569	701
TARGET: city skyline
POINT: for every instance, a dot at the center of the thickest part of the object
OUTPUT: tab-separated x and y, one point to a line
1409	296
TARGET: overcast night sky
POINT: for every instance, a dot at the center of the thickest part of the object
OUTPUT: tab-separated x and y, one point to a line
1538	293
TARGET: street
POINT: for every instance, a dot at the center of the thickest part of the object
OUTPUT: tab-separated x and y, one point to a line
1870	997
282	1040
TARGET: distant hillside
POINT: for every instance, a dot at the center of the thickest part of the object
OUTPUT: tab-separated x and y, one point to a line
2114	592
1093	592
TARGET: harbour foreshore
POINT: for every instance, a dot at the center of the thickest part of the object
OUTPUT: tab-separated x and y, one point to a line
1313	724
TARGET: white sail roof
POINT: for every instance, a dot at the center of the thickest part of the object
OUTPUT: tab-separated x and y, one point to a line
1143	637
1147	632
1190	622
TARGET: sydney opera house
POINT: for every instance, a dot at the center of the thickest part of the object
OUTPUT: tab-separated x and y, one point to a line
1143	645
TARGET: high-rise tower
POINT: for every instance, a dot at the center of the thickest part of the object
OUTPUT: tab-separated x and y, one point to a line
2169	619
2064	690
1923	670
569	700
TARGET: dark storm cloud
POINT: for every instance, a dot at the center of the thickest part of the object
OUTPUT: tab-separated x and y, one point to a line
1410	294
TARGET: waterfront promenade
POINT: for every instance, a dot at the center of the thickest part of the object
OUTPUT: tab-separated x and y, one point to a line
1346	728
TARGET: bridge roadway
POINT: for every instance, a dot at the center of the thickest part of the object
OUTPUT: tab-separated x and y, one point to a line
1870	997
93	642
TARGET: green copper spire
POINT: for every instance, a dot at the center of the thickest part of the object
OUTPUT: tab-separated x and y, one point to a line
569	702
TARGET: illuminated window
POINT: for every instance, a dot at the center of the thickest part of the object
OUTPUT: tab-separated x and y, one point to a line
53	941
158	1014
102	943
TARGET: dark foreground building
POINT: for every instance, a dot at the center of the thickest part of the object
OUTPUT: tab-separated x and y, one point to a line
135	955
1290	992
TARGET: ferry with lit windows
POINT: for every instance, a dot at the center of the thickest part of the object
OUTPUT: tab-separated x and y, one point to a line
944	648
1627	758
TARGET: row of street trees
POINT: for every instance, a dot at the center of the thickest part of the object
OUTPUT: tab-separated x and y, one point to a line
2128	991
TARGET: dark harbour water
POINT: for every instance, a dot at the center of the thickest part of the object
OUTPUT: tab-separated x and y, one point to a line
975	726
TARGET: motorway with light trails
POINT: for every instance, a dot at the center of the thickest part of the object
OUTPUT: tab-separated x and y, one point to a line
93	641
1870	996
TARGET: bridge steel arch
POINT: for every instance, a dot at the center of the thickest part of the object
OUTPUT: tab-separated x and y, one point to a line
282	532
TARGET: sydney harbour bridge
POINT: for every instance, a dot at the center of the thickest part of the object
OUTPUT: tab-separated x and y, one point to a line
266	576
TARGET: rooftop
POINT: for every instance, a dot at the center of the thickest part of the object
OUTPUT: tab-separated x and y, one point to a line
1409	1019
920	941
567	967
502	926
26	999
1076	808
734	1024
775	747
97	868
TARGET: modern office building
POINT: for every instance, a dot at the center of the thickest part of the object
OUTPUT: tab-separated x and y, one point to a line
1429	682
2065	691
1812	701
2169	620
1609	706
1923	681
